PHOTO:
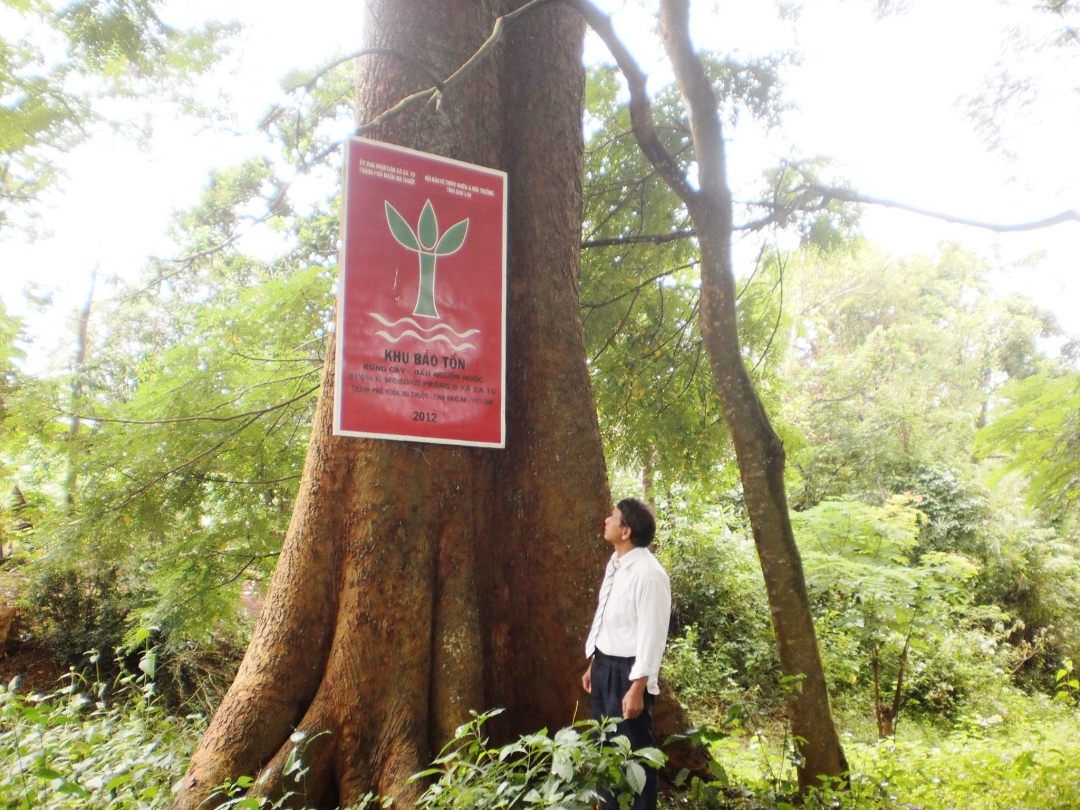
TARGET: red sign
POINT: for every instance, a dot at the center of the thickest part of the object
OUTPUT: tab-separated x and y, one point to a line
421	349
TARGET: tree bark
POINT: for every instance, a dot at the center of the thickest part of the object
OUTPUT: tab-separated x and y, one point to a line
759	451
417	582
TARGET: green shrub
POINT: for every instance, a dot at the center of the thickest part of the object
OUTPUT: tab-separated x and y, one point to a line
879	602
721	625
536	771
1016	752
76	610
76	749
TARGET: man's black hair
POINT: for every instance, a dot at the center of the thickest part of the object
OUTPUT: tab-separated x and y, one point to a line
640	519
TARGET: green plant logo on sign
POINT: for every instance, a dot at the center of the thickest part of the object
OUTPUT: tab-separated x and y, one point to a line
425	240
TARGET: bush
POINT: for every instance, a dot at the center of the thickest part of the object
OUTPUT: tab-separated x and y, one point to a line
877	604
76	749
1020	752
721	625
78	610
562	771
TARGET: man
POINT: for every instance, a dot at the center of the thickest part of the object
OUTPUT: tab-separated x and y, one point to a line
628	635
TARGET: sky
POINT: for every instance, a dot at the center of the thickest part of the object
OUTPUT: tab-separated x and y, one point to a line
882	98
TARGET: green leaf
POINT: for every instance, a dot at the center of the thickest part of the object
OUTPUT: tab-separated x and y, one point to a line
635	776
717	770
148	663
1024	762
563	769
73	788
141	635
400	229
428	228
652	755
117	781
453	239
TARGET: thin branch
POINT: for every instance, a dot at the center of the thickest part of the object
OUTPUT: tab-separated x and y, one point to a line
858	389
635	288
313	359
898	694
144	488
829	193
757	266
618	329
222	583
420	65
210	479
640	109
272	208
233	418
439	90
779	315
643	239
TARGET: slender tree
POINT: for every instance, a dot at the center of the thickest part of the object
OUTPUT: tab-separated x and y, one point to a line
759	450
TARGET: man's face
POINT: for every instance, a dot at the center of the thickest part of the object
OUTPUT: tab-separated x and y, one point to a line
614	530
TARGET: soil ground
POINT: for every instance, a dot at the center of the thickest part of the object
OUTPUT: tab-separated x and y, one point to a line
20	655
32	665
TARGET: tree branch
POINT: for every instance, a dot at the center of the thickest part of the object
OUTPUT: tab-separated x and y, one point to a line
642	239
640	108
180	419
439	90
420	65
829	193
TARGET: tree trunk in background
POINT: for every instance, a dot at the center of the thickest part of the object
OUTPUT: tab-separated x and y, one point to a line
78	377
418	582
759	451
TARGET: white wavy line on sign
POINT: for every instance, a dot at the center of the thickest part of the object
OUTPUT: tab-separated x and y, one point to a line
411	333
386	322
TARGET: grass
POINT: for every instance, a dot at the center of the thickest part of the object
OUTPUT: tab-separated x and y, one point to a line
80	748
1019	753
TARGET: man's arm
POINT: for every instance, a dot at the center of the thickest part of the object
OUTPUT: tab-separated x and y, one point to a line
586	679
654	614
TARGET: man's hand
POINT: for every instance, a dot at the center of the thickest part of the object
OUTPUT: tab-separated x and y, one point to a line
586	679
633	702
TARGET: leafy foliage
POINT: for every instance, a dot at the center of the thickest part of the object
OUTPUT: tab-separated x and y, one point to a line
886	620
563	770
639	284
195	400
722	648
77	748
891	366
1037	427
82	610
1017	754
49	99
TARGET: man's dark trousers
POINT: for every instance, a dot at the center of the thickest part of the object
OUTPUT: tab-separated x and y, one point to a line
610	683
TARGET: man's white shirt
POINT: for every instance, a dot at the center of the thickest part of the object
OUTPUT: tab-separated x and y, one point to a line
632	615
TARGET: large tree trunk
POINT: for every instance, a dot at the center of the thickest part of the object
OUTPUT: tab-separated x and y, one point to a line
418	582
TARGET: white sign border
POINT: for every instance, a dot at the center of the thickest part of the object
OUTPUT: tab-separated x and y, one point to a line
340	305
